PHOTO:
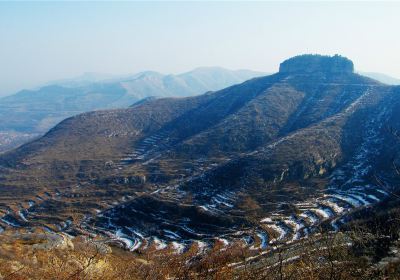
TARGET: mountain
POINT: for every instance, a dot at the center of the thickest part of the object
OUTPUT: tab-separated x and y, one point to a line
88	78
383	78
36	111
266	161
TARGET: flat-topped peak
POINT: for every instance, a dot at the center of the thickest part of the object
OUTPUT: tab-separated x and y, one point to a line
310	63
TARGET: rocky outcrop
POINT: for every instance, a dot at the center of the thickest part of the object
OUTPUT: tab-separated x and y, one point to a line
317	63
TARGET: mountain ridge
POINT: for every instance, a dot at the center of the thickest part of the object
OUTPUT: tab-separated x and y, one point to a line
35	111
227	163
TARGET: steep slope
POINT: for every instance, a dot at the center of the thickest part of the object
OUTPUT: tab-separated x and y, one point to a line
35	111
266	160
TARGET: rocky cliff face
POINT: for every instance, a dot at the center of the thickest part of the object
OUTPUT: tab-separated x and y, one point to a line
317	63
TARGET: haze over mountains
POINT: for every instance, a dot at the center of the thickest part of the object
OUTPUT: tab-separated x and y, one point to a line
30	113
383	78
264	161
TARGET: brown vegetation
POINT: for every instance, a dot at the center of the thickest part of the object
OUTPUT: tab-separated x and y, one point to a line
364	252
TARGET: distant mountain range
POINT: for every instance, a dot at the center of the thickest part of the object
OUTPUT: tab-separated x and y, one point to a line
36	111
266	161
383	78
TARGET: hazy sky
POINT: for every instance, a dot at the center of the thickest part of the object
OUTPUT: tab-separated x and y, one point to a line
45	41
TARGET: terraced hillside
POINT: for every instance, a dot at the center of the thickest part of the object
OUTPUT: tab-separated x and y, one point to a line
265	161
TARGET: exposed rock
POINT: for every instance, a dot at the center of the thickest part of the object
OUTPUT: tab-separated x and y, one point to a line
317	63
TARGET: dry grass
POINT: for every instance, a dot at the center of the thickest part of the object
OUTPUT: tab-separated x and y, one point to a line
328	256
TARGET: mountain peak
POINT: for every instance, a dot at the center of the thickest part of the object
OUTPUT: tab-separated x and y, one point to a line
310	63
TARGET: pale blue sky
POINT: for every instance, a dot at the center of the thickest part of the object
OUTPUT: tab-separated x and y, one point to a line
42	41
